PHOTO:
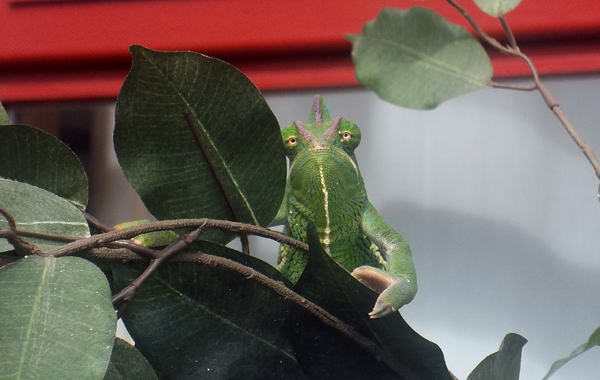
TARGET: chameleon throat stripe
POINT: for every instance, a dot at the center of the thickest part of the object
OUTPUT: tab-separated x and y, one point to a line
327	229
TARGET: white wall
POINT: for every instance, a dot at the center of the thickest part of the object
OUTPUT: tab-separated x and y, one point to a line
500	209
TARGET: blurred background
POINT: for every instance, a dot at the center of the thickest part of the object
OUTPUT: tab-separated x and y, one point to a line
498	204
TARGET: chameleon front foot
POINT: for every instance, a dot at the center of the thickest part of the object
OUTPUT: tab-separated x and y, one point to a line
395	291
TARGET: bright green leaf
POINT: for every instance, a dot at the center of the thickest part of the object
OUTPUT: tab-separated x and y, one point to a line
4	120
333	355
33	156
505	364
57	320
38	210
592	342
159	151
497	7
194	321
417	59
127	363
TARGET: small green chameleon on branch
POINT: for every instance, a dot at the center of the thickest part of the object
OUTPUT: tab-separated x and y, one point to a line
325	187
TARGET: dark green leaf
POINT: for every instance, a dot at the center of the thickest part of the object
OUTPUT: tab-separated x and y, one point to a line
161	156
592	342
324	353
193	321
4	120
417	59
57	319
497	7
127	363
33	156
38	210
505	364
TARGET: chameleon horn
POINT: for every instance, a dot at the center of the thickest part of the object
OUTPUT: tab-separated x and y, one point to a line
318	110
302	131
333	129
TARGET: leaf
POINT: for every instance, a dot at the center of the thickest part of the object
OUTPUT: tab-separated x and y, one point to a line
324	353
38	210
417	59
193	321
497	8
4	120
592	342
161	157
33	156
127	363
57	319
505	364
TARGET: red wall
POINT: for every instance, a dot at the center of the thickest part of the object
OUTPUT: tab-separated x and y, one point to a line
65	49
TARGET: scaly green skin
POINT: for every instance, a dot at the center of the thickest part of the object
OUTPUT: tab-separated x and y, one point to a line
325	186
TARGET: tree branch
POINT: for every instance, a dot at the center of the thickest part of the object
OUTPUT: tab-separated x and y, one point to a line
129	232
22	248
514	50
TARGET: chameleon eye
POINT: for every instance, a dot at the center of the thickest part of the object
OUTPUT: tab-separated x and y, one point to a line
346	136
292	141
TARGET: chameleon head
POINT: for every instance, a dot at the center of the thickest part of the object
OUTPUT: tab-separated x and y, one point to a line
321	141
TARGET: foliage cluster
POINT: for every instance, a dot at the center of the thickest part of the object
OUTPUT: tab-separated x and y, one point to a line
196	139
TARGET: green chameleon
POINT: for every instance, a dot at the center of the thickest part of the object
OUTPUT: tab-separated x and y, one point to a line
325	187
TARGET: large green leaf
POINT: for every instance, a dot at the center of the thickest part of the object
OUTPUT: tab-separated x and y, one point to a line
497	7
33	156
162	158
592	342
193	321
38	210
333	355
127	363
4	120
417	59
505	364
57	320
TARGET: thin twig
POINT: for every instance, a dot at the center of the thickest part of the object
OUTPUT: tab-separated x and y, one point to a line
129	232
146	252
546	95
509	33
509	86
22	248
126	294
217	177
97	223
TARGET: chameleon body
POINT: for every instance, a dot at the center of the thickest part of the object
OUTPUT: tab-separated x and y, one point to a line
325	186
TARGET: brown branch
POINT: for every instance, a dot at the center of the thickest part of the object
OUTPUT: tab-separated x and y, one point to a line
509	34
217	177
97	223
129	232
531	87
514	50
146	252
123	297
22	248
